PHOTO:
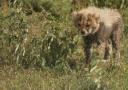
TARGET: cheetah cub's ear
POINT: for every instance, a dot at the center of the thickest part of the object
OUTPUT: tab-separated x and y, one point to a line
96	17
77	17
74	14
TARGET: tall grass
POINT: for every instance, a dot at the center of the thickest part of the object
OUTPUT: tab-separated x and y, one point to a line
39	34
43	39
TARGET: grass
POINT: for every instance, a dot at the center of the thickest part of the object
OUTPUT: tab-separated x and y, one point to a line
41	50
100	79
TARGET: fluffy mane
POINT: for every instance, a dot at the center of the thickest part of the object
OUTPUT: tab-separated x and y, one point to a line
108	16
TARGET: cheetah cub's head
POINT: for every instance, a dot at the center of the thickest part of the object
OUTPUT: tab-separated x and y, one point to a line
86	23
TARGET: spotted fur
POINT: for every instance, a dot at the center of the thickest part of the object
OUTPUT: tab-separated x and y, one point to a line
99	25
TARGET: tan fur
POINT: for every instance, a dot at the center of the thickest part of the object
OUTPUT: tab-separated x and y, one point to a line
107	16
99	26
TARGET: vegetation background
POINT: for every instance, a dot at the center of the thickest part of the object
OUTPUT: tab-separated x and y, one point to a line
40	49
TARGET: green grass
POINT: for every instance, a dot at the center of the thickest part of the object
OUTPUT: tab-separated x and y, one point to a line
12	78
41	50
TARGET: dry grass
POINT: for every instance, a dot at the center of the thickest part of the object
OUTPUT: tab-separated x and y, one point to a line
43	51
